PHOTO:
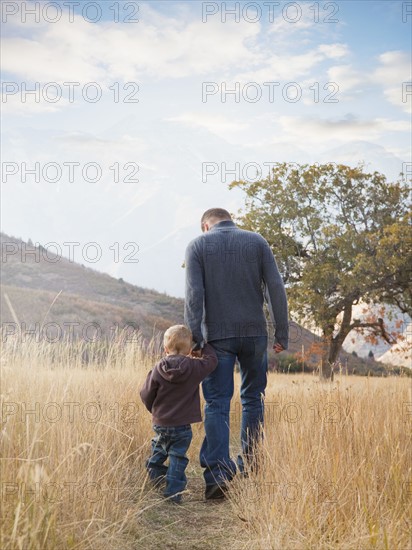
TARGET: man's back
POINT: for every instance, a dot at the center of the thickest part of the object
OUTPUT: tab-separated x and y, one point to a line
229	270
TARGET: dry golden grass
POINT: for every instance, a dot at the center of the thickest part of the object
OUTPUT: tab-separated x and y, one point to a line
71	470
336	467
336	461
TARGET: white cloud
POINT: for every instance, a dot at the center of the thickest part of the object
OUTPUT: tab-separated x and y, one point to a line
53	57
400	97
161	47
282	27
13	104
392	74
334	51
341	130
89	143
293	20
346	77
217	124
104	53
289	67
395	67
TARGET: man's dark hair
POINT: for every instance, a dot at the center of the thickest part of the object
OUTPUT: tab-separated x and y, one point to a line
215	214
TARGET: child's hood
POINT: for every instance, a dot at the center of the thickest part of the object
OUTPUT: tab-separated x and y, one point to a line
175	368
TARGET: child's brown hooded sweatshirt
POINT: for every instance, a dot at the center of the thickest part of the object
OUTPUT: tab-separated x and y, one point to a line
171	389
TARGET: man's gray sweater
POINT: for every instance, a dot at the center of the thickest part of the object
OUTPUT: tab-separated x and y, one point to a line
229	274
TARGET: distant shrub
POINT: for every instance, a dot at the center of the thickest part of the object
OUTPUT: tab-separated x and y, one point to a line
291	364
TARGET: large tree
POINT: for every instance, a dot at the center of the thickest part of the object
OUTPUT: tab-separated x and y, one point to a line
340	235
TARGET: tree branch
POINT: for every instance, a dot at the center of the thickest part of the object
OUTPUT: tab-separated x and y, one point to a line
378	324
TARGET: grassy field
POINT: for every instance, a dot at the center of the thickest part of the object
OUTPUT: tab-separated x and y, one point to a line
336	461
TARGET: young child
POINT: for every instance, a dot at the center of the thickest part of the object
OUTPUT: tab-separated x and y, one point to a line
171	394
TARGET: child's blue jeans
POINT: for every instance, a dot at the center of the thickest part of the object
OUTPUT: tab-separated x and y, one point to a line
170	442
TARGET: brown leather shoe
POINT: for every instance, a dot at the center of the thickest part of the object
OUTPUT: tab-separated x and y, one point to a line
215	492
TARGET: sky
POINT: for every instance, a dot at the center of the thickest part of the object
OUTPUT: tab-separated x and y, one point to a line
124	121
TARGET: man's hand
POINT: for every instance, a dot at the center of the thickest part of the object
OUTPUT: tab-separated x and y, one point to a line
278	348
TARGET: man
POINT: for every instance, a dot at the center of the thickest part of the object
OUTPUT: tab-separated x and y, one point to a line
229	273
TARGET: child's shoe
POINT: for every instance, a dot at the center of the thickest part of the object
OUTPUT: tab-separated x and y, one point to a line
174	499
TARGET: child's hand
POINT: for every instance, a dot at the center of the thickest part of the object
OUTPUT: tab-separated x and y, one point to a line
196	350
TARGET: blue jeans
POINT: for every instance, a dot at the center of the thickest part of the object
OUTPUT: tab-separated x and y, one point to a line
170	442
251	352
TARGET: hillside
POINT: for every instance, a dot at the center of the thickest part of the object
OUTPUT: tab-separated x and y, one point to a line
92	304
87	296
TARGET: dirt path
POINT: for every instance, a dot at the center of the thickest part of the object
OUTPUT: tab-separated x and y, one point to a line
196	524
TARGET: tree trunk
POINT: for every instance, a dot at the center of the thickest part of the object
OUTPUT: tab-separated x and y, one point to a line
326	371
334	348
326	368
332	345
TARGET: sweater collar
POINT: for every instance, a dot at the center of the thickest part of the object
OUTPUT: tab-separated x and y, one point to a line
223	225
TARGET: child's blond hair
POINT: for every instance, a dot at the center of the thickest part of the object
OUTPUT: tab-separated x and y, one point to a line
178	338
